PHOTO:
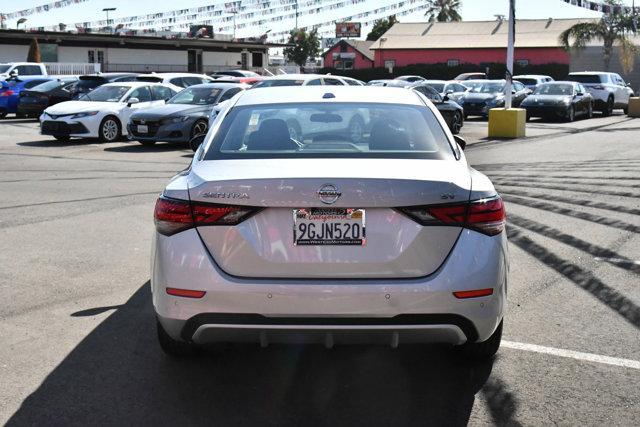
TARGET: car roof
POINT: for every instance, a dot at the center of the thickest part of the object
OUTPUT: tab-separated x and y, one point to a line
562	82
530	76
437	81
589	73
133	84
171	75
304	94
298	76
29	78
223	85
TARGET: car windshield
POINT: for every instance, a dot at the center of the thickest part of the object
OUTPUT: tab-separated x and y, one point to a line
488	88
4	68
278	82
330	130
584	78
107	94
554	89
197	96
528	82
47	86
439	87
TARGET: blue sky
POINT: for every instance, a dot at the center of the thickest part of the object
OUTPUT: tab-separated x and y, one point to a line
92	10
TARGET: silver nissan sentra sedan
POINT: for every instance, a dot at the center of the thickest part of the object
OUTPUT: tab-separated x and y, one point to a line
334	238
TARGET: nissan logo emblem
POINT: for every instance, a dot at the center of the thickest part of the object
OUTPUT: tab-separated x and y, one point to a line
328	194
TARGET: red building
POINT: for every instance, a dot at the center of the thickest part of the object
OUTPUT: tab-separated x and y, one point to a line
349	54
472	42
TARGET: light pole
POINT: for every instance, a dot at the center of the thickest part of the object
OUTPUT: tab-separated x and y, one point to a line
107	10
510	47
234	12
20	21
296	6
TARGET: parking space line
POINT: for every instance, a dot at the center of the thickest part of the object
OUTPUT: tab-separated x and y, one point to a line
617	260
587	357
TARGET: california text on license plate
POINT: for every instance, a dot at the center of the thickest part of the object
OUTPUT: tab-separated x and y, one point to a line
143	129
328	226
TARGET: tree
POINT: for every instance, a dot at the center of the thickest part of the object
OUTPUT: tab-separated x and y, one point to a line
611	29
444	10
380	27
34	52
305	46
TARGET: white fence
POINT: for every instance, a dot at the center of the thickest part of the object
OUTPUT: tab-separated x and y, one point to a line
66	69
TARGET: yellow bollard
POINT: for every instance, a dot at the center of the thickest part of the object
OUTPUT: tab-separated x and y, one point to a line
509	123
634	107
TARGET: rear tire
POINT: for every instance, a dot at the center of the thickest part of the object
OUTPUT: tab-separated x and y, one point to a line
590	111
570	115
626	110
173	347
3	114
608	109
485	349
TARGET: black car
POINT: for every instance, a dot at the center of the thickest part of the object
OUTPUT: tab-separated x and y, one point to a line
559	99
482	98
183	117
32	102
89	82
452	112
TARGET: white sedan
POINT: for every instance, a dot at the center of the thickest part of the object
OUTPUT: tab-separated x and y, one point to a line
104	112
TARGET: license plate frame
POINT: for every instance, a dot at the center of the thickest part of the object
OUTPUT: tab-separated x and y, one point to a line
143	129
329	227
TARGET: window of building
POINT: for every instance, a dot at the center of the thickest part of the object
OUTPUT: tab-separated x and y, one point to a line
337	65
49	52
453	62
390	65
343	48
101	57
348	65
522	62
91	57
256	59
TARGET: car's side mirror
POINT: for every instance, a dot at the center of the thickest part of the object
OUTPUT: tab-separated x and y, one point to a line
14	73
579	94
461	142
445	97
132	101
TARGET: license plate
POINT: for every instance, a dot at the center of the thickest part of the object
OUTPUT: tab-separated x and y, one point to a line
328	226
143	129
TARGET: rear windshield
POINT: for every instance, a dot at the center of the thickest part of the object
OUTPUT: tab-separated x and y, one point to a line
584	78
439	87
87	84
47	86
282	82
554	89
149	79
528	82
330	130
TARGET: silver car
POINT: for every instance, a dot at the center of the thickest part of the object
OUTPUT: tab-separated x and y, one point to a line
389	237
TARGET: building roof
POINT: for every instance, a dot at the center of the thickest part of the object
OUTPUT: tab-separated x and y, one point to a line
362	46
530	33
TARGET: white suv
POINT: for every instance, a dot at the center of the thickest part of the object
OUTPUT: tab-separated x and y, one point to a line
21	69
609	90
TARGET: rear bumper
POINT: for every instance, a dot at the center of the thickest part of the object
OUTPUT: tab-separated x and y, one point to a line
176	132
403	310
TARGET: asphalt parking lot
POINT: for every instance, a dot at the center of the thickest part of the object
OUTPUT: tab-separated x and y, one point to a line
78	336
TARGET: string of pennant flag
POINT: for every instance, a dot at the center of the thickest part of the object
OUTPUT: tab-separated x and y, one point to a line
599	6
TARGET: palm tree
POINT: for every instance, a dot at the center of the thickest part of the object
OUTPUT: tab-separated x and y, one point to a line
611	29
444	10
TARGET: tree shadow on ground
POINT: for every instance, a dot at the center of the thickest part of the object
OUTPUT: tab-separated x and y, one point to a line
118	375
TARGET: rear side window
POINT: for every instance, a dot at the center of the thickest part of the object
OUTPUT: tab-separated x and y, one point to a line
352	82
229	94
316	82
383	131
142	93
333	82
161	92
190	81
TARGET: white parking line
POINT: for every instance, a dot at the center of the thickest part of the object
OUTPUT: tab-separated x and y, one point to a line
617	260
588	357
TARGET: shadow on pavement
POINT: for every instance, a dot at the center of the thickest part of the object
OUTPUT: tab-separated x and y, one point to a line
118	375
134	147
55	143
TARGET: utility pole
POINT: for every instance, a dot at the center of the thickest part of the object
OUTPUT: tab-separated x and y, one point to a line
234	12
296	6
510	42
107	10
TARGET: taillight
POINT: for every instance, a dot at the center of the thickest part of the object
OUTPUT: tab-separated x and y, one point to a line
172	215
485	215
7	92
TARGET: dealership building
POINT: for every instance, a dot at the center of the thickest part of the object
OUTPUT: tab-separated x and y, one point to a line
125	53
481	42
349	54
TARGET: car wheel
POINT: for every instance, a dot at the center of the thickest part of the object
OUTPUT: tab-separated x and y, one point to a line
485	349
570	115
590	111
173	347
3	114
608	109
195	142
295	131
148	143
62	138
21	115
456	123
625	110
199	128
356	129
109	130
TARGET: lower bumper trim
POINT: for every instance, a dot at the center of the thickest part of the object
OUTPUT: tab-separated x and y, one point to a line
212	327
